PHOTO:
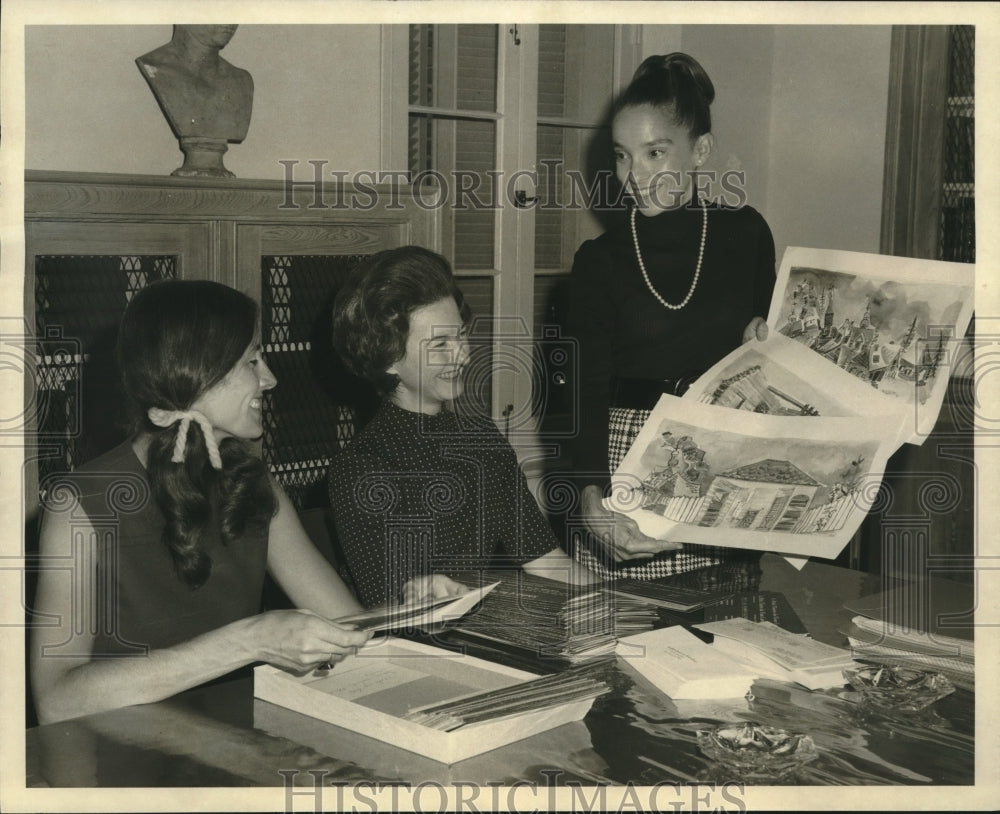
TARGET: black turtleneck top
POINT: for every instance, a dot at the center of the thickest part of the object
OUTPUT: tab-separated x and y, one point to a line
623	331
416	494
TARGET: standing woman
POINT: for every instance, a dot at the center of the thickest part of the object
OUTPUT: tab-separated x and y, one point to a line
659	299
169	534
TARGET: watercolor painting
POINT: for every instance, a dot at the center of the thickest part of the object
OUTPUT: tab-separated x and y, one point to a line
755	386
781	377
889	322
797	487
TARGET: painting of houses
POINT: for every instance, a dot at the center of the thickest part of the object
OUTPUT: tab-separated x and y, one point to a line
876	354
749	389
680	480
889	322
767	494
766	482
779	377
683	474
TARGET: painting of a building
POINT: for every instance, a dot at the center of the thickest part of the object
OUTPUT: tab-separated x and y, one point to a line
750	390
768	494
683	475
678	482
857	347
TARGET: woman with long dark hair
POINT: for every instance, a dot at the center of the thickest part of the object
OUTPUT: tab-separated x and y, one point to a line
154	554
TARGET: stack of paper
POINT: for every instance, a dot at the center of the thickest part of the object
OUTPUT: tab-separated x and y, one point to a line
875	640
926	625
683	666
774	652
541	693
666	594
532	617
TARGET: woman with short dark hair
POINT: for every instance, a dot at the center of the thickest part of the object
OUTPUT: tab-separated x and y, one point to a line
422	492
170	534
372	313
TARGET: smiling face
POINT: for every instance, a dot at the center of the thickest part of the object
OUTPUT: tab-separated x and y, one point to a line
233	406
437	350
654	157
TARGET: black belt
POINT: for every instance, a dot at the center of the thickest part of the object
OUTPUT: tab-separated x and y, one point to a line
642	394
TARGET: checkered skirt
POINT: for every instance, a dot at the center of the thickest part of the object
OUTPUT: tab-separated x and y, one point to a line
624	424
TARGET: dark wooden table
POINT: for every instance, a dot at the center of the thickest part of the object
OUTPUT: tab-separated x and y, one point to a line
220	735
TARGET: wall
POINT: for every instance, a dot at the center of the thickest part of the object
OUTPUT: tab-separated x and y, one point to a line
826	160
316	96
802	111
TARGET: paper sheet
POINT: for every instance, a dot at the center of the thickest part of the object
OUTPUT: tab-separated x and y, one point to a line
892	323
782	377
420	614
770	483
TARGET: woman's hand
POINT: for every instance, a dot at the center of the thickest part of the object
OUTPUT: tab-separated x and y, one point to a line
300	640
618	532
755	329
436	586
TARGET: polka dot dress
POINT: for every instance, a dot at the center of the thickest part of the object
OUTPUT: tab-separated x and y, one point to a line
417	494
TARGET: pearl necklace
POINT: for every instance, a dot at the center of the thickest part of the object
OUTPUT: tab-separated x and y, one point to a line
697	268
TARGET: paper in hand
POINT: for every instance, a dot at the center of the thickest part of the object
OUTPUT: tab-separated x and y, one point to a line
425	613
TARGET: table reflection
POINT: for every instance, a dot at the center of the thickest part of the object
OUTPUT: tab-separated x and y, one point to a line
219	735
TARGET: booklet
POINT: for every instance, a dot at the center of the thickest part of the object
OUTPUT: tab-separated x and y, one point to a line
918	642
940	607
681	665
778	653
419	614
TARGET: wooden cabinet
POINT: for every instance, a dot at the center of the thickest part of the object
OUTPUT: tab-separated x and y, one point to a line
217	228
92	240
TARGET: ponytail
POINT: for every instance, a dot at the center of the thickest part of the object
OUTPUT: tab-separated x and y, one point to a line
676	81
186	491
179	338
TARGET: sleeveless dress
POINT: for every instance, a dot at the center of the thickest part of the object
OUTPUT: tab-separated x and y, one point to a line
141	602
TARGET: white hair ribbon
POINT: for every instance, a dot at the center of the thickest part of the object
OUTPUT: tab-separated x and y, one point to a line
164	418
